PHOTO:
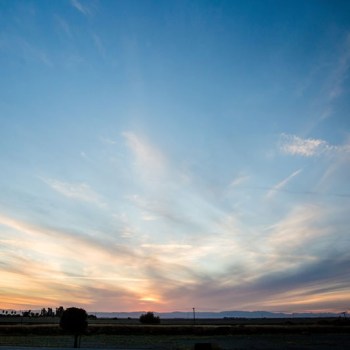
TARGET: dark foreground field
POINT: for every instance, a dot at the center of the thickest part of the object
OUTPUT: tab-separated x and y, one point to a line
178	334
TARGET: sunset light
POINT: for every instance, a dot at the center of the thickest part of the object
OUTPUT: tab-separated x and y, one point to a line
171	155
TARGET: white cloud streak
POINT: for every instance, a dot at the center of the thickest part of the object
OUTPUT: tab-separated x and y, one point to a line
239	180
340	73
80	7
149	159
63	26
19	46
293	234
282	184
99	45
80	191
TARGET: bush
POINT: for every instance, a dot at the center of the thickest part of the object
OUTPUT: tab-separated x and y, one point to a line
149	318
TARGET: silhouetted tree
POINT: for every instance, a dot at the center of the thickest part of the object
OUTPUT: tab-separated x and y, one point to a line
27	313
49	312
74	321
59	311
43	312
149	318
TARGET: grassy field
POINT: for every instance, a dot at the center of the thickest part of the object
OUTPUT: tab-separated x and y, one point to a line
261	334
168	342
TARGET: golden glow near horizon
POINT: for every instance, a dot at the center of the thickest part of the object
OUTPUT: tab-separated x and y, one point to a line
40	278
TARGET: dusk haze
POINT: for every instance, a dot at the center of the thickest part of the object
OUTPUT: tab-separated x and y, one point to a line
170	155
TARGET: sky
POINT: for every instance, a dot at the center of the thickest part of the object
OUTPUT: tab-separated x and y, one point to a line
165	155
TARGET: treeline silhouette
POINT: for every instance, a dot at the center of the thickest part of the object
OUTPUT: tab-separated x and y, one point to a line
49	312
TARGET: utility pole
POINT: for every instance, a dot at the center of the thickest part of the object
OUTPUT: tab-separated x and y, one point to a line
194	315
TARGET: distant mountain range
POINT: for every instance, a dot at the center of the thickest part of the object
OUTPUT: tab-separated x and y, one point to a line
222	314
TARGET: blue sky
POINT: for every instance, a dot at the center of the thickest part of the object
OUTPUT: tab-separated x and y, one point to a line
164	155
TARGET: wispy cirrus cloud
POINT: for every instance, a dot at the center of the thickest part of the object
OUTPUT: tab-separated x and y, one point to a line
295	145
149	159
63	26
107	140
282	184
68	240
67	270
289	267
139	274
20	47
340	71
79	191
333	72
238	180
80	7
300	227
99	44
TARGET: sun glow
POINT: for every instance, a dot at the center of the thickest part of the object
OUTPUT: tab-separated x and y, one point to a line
150	299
